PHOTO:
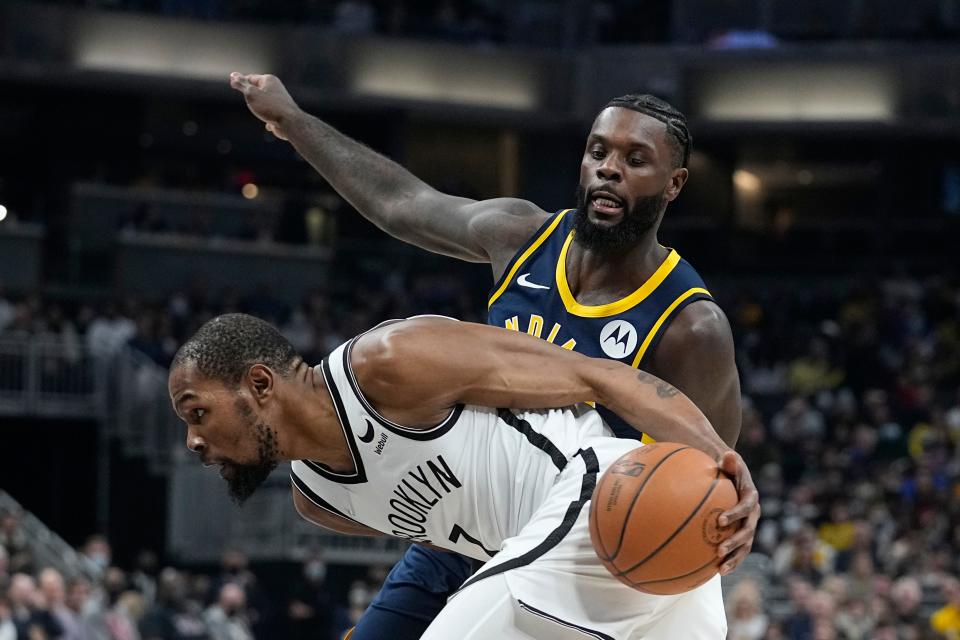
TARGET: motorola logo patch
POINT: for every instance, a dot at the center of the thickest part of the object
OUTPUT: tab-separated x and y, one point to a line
618	339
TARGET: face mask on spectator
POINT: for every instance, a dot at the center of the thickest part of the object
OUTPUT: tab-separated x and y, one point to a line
316	571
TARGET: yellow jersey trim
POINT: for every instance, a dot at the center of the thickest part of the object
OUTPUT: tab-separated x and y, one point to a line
663	318
645	439
526	254
617	306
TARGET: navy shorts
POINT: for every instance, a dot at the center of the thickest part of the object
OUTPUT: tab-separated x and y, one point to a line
413	594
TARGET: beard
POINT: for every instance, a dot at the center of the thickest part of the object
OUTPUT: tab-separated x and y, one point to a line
244	479
636	222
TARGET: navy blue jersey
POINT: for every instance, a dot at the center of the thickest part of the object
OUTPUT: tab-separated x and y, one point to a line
533	296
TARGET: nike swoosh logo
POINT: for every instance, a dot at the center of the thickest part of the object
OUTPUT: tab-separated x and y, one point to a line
368	436
523	282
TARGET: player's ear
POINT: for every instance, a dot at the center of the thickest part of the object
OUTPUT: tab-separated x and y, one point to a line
677	179
260	379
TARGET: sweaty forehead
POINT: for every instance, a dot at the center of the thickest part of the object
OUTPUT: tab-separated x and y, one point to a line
629	127
185	379
181	377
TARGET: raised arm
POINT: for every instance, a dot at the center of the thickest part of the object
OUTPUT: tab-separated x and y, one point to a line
415	371
387	194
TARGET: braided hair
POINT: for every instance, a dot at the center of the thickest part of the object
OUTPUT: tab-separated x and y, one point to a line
679	138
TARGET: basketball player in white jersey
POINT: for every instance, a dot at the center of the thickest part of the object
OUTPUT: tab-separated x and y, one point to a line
448	433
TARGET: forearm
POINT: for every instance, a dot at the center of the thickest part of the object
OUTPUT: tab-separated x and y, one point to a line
380	189
655	407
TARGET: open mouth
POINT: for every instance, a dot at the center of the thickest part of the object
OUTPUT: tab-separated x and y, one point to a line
606	203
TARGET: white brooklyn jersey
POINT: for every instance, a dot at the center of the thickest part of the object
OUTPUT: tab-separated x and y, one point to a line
467	484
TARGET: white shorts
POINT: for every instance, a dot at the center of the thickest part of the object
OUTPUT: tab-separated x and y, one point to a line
547	581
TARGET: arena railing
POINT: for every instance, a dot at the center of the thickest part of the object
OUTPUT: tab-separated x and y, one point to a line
202	522
48	377
140	415
48	549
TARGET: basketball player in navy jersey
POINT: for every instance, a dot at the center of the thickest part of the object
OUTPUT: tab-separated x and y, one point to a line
455	434
593	279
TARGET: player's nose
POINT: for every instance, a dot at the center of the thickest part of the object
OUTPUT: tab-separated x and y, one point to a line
608	170
195	443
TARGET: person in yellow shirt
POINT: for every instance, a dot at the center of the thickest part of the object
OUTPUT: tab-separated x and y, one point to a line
839	531
946	620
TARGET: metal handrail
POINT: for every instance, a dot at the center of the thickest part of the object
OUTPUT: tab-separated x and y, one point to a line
44	376
48	548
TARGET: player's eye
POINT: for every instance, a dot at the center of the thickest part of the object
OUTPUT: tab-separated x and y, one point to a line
597	154
197	414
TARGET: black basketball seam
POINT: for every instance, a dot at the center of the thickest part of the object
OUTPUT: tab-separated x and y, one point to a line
689	573
643	484
652	554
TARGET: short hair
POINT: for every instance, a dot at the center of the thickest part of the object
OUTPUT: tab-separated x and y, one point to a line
225	348
680	139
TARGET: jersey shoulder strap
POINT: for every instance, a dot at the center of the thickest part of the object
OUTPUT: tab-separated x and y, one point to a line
523	254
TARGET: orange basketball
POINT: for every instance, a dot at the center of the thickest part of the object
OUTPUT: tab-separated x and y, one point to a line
653	517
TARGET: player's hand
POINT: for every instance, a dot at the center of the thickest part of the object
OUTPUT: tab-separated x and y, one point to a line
747	512
267	99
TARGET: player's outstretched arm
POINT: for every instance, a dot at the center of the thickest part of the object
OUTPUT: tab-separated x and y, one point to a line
387	194
415	370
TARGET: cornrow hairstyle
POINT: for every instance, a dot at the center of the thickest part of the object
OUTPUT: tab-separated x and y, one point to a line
663	111
225	348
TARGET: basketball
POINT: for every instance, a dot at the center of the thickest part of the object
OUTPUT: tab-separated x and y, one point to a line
653	518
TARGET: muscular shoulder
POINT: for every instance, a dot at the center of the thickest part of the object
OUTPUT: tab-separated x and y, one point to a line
701	328
696	355
503	225
394	366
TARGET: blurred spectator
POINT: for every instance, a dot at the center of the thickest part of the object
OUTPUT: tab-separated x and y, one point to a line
96	554
946	620
803	554
12	536
798	421
838	531
29	611
906	595
144	575
8	630
226	618
235	569
54	591
4	568
746	620
174	616
6	310
109	332
122	621
855	621
814	371
79	597
311	609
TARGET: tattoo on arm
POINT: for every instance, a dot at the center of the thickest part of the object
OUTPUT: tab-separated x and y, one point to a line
664	389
